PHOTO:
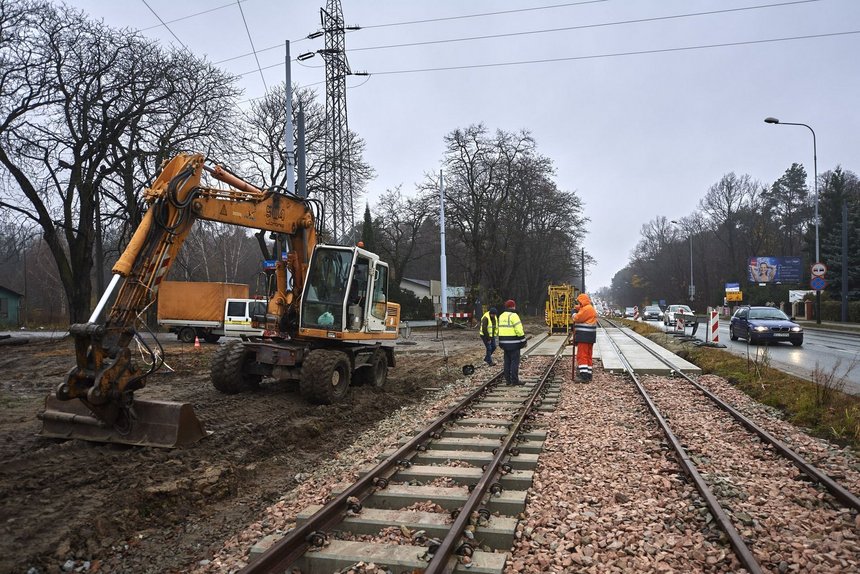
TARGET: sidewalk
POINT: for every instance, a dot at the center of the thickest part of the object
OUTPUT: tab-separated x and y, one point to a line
835	326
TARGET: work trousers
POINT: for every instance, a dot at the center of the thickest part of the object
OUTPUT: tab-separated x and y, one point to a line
490	344
583	360
512	366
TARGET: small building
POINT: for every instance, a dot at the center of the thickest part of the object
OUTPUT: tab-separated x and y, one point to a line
10	307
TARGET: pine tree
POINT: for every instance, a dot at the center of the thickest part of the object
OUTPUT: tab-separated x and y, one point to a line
367	234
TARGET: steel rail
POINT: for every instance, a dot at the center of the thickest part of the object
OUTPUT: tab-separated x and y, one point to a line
838	491
742	551
440	563
283	553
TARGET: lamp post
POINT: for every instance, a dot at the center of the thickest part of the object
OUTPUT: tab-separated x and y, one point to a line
772	120
692	286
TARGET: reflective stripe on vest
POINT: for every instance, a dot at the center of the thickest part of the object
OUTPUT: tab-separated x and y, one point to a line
511	334
585	333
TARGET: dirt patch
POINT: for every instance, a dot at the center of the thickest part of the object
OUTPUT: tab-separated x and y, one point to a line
78	506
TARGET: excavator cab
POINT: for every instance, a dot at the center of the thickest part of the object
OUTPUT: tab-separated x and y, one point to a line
346	292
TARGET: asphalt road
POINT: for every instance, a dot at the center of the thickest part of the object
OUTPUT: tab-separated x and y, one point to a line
832	353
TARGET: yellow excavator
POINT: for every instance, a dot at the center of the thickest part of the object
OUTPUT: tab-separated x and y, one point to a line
328	323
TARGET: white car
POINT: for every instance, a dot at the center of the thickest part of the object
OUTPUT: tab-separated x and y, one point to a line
669	314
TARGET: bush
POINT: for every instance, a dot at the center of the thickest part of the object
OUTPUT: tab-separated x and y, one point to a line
411	307
832	311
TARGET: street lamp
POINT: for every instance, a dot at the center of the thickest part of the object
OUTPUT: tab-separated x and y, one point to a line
771	120
692	286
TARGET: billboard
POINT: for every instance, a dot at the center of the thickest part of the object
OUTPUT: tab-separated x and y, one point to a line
774	269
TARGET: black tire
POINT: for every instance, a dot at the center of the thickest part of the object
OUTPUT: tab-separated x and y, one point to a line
325	376
797	343
228	373
210	338
376	373
732	335
186	334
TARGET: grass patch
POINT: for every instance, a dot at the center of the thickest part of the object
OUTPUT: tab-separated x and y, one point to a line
818	405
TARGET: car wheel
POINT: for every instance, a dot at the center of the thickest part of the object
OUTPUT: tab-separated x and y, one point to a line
797	342
732	335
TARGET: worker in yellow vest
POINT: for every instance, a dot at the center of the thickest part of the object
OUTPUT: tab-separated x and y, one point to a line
512	338
489	330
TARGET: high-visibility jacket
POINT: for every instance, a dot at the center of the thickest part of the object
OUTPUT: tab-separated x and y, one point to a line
489	326
511	334
585	319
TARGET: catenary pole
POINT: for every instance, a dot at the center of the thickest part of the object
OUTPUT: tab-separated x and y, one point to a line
289	151
844	314
442	263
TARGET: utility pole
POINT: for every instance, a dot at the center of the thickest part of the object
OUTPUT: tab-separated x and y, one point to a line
582	256
289	151
442	263
844	314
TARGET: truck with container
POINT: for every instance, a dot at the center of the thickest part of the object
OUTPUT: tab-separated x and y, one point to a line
207	311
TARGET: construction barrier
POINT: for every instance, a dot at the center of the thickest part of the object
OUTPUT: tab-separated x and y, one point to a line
453	315
713	325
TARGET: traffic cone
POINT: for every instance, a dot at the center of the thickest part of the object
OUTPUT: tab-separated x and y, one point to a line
196	342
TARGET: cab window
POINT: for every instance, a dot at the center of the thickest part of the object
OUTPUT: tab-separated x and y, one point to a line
380	293
236	308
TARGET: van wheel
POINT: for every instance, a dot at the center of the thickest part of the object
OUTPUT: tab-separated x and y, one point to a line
376	373
325	376
229	369
187	334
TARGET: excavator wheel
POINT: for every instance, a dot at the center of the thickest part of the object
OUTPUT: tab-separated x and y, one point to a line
376	374
228	373
325	376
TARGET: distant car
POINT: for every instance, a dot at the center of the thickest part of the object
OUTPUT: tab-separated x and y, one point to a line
669	314
629	312
652	313
764	325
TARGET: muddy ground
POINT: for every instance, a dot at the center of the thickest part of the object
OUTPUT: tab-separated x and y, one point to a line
86	507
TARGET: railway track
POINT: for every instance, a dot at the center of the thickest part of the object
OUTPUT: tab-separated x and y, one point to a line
693	421
446	500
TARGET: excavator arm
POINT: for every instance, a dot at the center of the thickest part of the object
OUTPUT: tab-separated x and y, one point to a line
96	399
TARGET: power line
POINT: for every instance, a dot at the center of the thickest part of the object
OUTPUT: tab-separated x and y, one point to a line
239	4
566	4
186	17
598	56
549	7
618	54
585	26
165	25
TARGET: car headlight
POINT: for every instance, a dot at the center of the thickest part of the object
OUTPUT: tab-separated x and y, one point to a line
760	329
797	329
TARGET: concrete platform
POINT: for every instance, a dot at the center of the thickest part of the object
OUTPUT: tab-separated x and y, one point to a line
641	360
548	347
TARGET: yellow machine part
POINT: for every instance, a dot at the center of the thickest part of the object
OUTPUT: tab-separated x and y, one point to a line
559	307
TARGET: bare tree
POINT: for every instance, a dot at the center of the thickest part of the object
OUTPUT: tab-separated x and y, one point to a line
399	221
262	148
74	119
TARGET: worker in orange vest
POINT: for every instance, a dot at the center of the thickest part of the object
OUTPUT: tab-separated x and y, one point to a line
584	335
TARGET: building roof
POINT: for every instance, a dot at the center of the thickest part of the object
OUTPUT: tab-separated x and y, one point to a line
11	291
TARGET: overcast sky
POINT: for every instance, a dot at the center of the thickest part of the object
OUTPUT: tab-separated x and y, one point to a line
636	135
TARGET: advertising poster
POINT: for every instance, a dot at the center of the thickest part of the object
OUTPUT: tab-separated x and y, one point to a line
774	269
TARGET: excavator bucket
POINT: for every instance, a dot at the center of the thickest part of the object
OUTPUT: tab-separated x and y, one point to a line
154	423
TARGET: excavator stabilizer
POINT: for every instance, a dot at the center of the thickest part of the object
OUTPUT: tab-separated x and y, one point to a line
148	423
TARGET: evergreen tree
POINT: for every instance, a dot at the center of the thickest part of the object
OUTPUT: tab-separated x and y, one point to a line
789	205
367	231
838	187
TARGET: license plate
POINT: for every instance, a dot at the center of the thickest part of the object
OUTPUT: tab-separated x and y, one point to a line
780	334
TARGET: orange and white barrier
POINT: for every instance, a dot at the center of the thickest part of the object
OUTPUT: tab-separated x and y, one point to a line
714	325
454	315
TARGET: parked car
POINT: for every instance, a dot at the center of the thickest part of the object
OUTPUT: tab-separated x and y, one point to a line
669	314
629	312
764	325
652	313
